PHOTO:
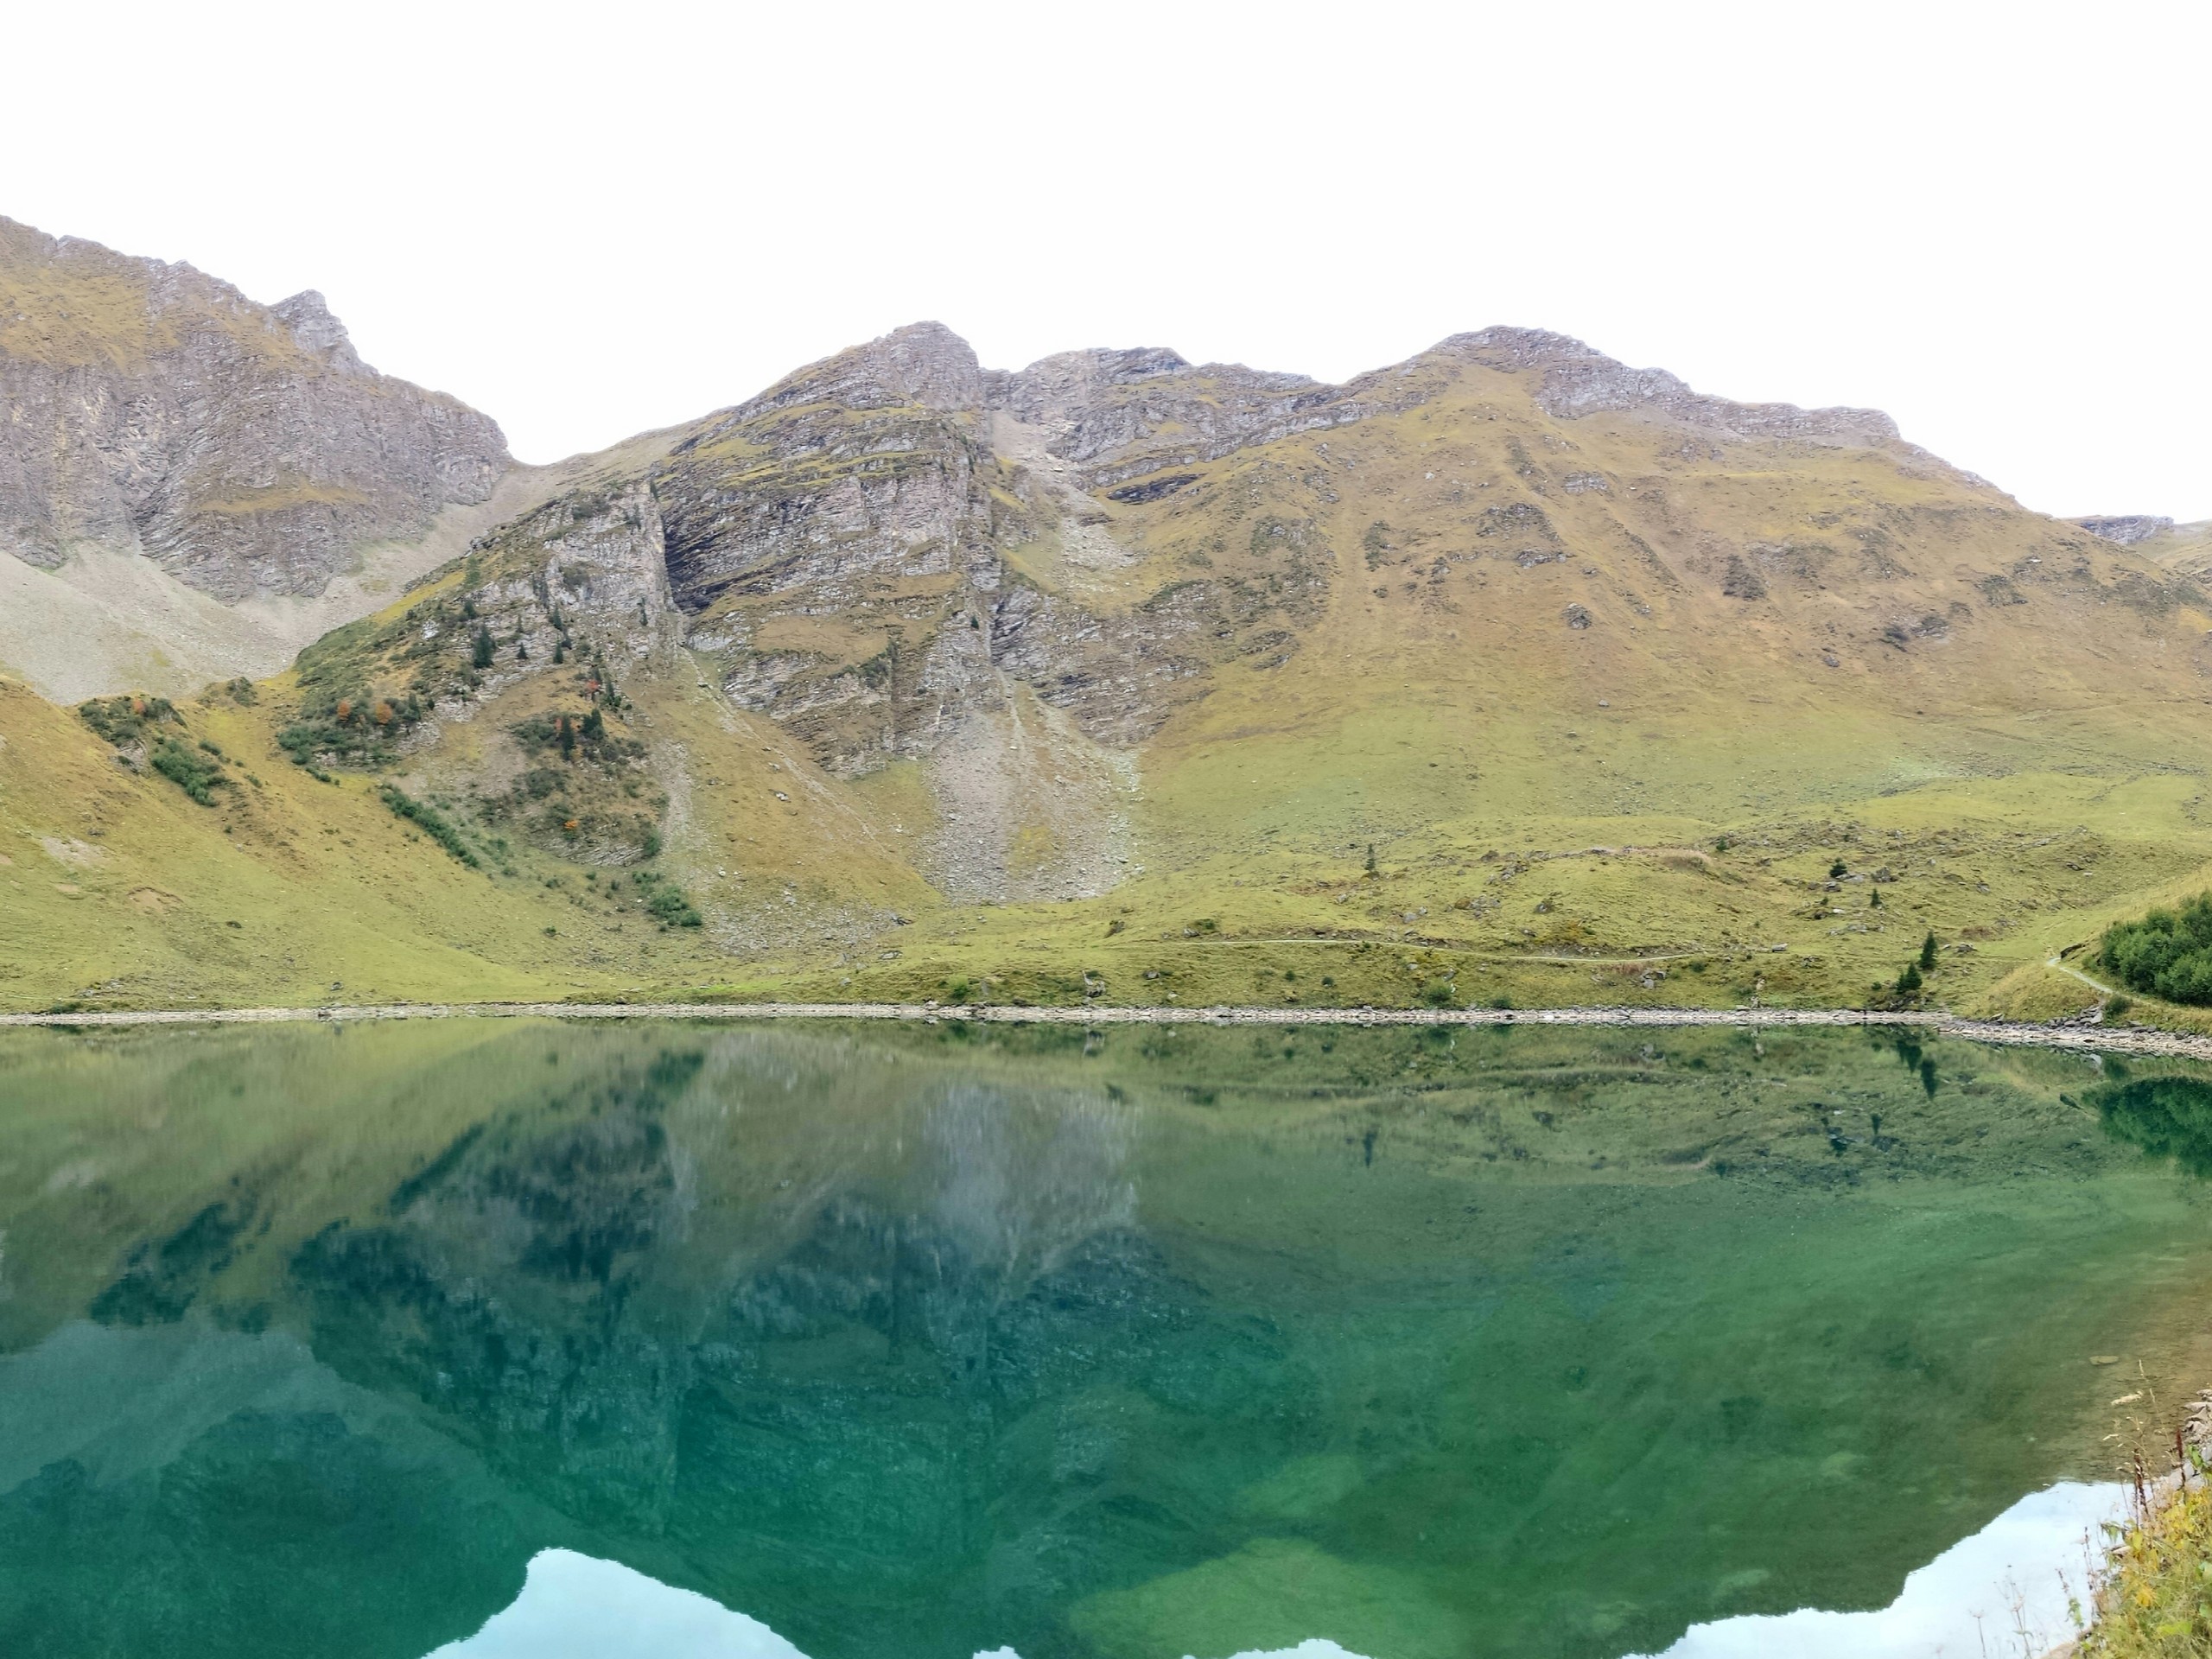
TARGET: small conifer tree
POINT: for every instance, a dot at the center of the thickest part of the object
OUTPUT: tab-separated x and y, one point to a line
1909	980
482	656
567	735
1928	954
1372	868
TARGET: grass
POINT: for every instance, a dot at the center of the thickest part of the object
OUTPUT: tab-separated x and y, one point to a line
431	822
2157	1602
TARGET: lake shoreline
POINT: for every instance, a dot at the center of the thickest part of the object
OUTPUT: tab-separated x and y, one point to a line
2013	1033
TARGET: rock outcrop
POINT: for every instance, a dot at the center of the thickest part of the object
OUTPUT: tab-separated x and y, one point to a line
1119	415
1578	380
2127	529
245	449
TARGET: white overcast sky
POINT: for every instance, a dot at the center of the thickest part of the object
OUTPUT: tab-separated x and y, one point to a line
1990	220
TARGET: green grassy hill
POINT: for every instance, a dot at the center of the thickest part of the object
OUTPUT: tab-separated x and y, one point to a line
1102	680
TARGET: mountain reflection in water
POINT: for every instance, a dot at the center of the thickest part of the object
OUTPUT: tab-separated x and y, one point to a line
945	1342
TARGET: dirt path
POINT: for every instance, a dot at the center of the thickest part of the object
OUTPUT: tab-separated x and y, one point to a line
2094	984
2086	1038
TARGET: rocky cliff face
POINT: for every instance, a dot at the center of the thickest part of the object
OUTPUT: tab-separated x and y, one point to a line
245	449
856	550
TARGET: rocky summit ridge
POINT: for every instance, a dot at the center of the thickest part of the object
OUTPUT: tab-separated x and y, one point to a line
1113	675
245	449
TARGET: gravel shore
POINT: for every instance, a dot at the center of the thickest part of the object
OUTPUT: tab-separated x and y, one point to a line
2102	1038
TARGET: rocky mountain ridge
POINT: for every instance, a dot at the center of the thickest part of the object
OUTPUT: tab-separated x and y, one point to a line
247	450
1009	582
1115	647
193	485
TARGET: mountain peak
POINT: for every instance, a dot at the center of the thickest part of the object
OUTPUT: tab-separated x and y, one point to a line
2125	528
922	363
1580	380
245	449
307	314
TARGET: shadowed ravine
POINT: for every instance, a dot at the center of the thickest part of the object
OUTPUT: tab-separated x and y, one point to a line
1152	1340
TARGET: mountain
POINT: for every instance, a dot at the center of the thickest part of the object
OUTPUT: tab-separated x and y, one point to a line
2186	548
1505	672
193	486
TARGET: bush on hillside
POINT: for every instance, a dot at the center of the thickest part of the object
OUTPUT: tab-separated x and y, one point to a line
553	730
665	902
125	721
434	823
197	774
2168	953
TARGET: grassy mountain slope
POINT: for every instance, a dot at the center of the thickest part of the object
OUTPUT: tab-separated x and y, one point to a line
1821	651
909	680
2186	548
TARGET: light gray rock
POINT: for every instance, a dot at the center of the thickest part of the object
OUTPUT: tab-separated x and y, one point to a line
2126	530
1578	380
1119	414
245	448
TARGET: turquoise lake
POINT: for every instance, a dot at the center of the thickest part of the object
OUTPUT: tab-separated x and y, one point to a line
1129	1345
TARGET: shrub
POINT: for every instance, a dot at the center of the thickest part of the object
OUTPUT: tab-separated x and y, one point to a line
1438	994
433	823
197	775
666	902
569	733
2168	953
125	721
2117	1006
1837	871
